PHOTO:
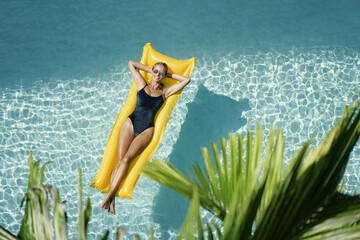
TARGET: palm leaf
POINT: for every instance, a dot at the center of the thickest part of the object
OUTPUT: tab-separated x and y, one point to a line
106	235
169	176
6	235
192	228
120	233
280	211
313	183
217	229
272	168
152	234
36	223
239	220
59	215
338	217
83	216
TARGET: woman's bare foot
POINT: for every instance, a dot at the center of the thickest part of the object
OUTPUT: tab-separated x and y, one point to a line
104	206
105	203
112	207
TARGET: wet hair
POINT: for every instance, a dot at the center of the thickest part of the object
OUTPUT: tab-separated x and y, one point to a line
163	64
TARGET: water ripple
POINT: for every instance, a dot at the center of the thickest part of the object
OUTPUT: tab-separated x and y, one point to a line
68	122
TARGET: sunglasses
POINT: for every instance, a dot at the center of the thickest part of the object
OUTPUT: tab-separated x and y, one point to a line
157	71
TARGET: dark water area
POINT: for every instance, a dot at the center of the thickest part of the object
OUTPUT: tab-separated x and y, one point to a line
70	40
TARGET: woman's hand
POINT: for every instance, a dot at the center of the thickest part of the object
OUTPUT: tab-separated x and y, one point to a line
178	77
139	66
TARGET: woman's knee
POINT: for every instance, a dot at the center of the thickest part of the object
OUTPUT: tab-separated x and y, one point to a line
125	160
122	161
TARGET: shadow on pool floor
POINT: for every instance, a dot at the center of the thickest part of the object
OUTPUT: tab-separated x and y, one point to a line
210	116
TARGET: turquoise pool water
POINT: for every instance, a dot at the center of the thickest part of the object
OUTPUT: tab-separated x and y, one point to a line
64	78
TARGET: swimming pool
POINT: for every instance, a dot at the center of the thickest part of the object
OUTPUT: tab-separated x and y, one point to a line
64	77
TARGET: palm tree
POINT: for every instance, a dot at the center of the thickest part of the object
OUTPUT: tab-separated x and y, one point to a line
254	197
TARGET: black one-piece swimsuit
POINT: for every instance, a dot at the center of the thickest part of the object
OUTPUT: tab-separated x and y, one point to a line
145	110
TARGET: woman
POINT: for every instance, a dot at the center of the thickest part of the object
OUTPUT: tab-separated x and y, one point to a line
137	130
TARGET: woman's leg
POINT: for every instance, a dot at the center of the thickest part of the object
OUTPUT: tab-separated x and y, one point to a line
127	151
136	147
126	135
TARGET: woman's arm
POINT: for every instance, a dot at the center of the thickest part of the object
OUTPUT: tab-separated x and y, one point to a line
183	81
134	67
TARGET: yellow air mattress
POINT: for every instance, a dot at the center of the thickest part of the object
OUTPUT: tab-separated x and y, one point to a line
102	178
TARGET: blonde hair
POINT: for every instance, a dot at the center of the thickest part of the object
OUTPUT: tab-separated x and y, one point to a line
163	64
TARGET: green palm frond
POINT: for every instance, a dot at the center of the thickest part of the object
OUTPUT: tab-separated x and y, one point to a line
241	215
244	191
120	233
6	235
314	181
36	223
59	215
340	216
84	216
193	225
232	186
